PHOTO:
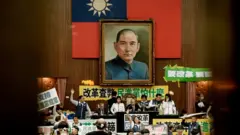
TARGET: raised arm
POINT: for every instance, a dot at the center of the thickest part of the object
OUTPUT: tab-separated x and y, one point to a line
128	116
54	110
130	119
89	110
123	107
71	98
174	107
184	123
208	110
112	108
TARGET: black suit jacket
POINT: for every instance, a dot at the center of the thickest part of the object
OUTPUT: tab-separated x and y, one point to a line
110	103
201	109
130	107
99	111
190	127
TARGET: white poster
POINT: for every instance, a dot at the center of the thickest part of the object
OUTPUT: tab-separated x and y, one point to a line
144	118
48	99
158	129
87	125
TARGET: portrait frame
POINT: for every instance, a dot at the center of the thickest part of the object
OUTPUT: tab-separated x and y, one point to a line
150	45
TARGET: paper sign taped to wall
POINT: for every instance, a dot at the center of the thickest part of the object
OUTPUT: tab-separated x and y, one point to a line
48	99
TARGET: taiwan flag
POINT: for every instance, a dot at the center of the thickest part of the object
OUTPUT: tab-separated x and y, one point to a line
86	14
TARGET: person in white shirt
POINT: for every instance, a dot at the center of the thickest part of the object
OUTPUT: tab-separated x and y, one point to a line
75	122
118	107
169	107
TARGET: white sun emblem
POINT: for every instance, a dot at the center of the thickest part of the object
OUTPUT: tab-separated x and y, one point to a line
99	6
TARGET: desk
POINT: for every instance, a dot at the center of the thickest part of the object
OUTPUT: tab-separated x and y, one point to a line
104	117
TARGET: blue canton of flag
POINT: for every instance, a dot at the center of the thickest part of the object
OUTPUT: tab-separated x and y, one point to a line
93	10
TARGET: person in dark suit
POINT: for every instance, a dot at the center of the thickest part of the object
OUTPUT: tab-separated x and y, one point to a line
193	128
155	103
133	107
201	104
124	67
143	104
81	106
101	110
170	130
111	101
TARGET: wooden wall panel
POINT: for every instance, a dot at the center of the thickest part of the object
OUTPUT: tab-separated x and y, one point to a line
58	61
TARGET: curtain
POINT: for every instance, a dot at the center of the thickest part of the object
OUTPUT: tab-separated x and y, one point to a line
191	97
61	88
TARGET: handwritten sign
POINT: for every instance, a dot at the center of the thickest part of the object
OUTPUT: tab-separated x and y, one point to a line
48	99
157	129
186	74
104	93
144	118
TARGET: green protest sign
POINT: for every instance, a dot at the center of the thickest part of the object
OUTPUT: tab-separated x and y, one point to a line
150	92
186	74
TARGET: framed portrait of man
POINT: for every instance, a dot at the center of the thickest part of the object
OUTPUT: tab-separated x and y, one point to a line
127	53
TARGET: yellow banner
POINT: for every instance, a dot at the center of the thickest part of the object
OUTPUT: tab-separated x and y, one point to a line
92	93
204	123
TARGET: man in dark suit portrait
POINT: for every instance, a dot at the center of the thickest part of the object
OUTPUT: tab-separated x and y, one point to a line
124	67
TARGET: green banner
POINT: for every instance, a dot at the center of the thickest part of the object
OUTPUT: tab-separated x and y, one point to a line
186	74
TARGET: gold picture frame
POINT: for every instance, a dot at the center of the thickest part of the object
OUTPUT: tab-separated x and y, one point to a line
127	52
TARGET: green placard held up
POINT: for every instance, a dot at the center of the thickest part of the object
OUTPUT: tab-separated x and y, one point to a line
186	74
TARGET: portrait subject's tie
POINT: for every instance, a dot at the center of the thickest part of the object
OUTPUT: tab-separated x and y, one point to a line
128	69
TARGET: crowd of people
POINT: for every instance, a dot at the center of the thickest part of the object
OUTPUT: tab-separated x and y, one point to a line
164	106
